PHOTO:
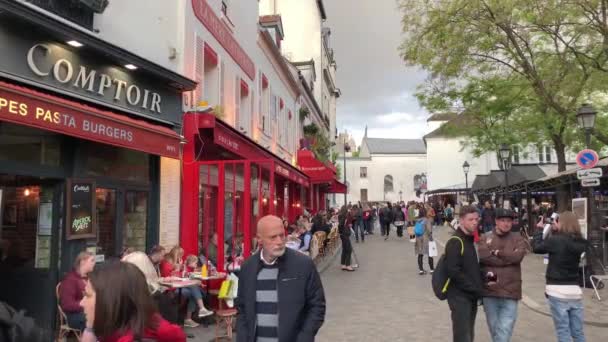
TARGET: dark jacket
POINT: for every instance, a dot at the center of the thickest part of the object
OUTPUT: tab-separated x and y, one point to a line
564	257
398	214
386	215
71	292
301	299
488	216
344	225
506	265
464	271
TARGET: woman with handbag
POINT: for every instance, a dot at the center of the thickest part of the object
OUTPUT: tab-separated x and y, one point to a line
344	223
422	244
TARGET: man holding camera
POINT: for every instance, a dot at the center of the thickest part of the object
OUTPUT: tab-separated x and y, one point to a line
500	255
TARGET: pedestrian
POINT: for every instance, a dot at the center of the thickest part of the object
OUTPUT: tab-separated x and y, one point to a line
278	280
367	219
448	213
462	267
500	255
119	308
398	220
72	288
411	218
564	244
358	223
488	217
386	219
422	245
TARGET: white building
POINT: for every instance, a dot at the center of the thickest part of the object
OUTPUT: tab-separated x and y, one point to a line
446	155
386	170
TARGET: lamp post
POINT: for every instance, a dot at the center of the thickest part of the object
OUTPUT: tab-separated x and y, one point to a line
346	149
505	157
585	117
465	168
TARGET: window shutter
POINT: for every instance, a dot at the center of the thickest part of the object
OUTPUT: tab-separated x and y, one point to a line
222	84
260	90
237	103
199	69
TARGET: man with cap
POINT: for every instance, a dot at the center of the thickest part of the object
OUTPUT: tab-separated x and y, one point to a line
500	255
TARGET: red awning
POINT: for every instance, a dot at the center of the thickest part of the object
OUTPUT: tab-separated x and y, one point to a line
337	187
210	54
314	168
26	106
228	138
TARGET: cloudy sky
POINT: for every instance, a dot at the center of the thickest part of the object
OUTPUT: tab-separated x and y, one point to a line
377	88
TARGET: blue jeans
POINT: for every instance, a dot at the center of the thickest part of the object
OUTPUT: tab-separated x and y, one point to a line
192	293
501	314
359	229
567	318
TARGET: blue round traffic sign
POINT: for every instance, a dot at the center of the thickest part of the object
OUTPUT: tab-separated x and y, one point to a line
587	158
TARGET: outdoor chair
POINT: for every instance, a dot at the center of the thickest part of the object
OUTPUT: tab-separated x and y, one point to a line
321	237
64	328
314	247
597	283
224	320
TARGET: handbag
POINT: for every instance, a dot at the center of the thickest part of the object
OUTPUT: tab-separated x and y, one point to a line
399	223
432	249
224	289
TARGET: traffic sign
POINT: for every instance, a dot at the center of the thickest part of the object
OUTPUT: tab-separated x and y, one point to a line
590	182
587	159
589	173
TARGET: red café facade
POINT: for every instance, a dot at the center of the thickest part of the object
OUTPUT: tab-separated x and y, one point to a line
230	182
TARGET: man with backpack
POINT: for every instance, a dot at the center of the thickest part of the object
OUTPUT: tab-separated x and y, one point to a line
386	218
464	285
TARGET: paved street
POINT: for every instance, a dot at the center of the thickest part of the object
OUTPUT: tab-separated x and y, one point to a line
386	300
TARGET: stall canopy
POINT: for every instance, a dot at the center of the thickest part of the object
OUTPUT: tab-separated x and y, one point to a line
516	177
319	172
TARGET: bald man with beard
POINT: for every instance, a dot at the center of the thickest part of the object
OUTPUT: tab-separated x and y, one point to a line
280	295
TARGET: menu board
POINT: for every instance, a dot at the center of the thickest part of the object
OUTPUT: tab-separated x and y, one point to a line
80	209
170	179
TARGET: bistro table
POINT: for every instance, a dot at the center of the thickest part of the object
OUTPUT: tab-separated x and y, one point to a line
179	284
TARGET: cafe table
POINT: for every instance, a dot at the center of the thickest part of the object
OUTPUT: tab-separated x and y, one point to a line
179	284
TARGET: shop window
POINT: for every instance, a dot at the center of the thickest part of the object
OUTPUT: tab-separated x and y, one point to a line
136	220
363	172
208	194
114	162
29	145
106	222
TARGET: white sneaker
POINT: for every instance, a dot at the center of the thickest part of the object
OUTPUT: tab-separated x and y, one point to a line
204	313
189	323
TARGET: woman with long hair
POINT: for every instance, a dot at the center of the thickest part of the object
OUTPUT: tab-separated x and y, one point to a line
344	222
72	287
118	308
564	244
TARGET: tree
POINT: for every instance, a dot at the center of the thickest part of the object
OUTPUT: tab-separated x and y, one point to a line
518	68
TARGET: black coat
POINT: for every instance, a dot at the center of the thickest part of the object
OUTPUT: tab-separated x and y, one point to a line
300	295
464	271
564	257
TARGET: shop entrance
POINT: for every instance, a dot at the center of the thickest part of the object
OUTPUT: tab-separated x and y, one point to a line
30	212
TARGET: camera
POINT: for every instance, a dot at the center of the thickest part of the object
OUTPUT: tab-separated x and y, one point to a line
491	277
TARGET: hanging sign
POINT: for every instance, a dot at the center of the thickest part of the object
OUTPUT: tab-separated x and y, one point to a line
80	222
589	173
587	159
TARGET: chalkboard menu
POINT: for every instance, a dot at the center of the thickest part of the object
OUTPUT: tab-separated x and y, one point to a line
80	209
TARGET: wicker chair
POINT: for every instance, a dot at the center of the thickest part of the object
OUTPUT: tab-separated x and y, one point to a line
321	237
314	247
64	328
224	319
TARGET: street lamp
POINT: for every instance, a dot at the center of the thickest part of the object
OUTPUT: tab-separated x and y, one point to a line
346	149
585	116
465	168
505	157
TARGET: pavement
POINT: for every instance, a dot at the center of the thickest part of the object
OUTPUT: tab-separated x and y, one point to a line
533	296
386	300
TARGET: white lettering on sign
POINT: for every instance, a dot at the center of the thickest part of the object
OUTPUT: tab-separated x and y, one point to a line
83	188
63	72
228	142
282	170
314	168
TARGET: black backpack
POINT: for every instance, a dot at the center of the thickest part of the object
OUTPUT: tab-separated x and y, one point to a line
440	280
15	326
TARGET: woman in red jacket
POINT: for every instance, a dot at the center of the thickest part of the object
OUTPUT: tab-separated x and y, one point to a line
118	308
72	288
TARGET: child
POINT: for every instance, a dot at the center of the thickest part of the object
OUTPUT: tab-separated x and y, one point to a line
191	263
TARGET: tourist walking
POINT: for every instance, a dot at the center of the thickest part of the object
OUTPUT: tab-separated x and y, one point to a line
422	245
386	218
462	267
488	217
278	280
564	244
398	220
358	223
500	255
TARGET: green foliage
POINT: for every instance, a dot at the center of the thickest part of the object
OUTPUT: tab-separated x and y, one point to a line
320	143
517	69
338	170
304	113
311	130
356	153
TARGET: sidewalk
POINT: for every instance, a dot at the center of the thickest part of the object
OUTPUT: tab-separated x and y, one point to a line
533	274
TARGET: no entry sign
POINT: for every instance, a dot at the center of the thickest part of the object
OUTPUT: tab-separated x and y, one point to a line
587	159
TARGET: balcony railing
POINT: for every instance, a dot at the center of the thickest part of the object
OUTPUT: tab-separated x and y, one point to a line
72	10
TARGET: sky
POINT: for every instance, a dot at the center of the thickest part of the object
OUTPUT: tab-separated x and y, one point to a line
377	88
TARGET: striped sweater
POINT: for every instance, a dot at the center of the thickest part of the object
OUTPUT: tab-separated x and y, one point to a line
267	313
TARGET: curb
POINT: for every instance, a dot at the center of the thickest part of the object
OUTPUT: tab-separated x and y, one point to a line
538	308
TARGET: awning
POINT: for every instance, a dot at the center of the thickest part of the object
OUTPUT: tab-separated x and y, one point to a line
337	187
235	145
29	107
314	168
